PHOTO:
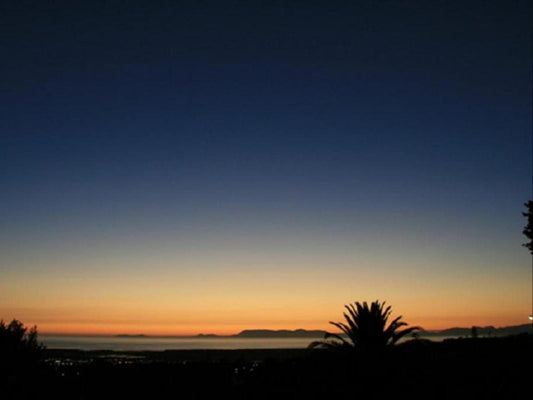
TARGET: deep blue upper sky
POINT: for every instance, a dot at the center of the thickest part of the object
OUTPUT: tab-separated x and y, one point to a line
363	118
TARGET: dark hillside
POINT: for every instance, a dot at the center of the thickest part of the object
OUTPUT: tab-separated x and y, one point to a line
488	368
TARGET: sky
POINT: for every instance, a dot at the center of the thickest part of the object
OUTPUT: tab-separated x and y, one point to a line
184	167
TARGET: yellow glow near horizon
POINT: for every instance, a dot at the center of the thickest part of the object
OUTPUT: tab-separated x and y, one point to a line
261	291
226	306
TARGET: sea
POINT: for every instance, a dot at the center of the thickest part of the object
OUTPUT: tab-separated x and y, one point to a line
150	343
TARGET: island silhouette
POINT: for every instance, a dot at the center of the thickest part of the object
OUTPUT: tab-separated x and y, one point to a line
486	331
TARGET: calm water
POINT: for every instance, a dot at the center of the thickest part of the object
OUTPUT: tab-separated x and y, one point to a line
173	343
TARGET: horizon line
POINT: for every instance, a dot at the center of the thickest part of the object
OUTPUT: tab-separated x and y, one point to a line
210	334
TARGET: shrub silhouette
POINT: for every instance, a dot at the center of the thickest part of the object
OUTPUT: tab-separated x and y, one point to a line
18	344
365	329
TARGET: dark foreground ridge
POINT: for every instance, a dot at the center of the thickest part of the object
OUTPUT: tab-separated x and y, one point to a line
486	368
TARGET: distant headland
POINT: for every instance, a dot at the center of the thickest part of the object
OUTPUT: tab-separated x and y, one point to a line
303	333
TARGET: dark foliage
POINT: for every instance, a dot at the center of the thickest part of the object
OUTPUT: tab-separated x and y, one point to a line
20	356
528	229
366	329
18	344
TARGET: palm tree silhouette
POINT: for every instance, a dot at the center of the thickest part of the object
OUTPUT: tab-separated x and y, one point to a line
365	328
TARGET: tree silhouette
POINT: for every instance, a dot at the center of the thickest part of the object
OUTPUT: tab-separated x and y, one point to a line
365	329
528	229
18	344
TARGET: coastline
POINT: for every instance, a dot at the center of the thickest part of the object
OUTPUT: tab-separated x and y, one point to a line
250	339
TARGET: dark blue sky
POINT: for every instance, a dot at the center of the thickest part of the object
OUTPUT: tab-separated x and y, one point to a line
267	121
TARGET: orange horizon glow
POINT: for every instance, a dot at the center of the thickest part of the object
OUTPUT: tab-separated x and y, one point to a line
225	293
188	302
109	328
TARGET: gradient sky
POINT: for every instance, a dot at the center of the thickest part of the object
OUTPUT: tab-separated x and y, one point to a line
186	167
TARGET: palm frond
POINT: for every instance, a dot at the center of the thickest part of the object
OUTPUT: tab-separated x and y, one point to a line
400	334
366	327
337	343
343	327
336	337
